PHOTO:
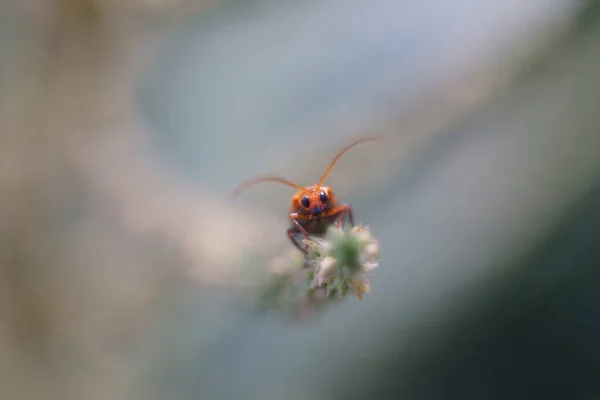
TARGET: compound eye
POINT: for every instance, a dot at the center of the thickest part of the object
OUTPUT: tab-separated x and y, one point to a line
323	197
305	202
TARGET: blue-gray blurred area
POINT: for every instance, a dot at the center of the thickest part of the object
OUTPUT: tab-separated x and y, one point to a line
285	70
125	126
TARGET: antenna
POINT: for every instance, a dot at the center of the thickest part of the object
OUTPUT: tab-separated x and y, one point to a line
248	183
344	150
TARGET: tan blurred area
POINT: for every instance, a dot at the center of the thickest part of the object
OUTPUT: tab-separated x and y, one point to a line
92	231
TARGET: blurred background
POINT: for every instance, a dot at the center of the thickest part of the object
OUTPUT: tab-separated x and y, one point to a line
125	124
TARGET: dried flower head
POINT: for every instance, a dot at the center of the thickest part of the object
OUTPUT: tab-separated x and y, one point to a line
336	265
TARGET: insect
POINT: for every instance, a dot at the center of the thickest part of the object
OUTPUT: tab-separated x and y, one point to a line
313	208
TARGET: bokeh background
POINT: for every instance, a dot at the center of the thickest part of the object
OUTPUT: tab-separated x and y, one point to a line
125	124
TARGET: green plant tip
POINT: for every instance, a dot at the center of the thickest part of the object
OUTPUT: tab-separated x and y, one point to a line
345	248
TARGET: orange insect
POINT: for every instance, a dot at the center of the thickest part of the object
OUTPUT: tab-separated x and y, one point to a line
313	208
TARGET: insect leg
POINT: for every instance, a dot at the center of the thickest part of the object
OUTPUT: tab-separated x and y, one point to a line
350	215
344	210
291	234
297	228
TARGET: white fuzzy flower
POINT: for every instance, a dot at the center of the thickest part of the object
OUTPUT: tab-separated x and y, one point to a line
319	245
359	286
369	266
326	271
372	250
362	234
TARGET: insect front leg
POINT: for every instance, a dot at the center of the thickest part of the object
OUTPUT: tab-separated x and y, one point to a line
291	234
344	210
297	228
